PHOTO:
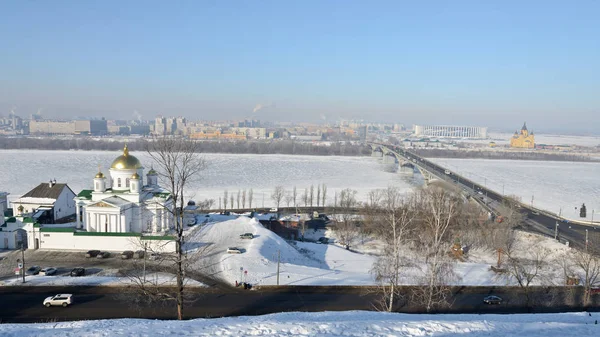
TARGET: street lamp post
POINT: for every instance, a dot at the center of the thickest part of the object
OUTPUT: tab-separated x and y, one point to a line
23	260
592	216
556	232
586	240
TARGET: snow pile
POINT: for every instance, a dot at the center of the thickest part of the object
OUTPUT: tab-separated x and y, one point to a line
331	324
164	279
299	263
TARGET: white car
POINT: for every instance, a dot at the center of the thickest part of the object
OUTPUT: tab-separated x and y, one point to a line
234	250
58	300
48	271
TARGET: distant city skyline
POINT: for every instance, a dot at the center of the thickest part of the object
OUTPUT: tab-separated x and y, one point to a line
494	64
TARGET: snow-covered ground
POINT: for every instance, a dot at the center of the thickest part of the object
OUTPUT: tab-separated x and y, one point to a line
559	187
330	324
261	173
306	263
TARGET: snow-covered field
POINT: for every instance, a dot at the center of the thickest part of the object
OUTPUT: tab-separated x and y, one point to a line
330	324
224	172
559	187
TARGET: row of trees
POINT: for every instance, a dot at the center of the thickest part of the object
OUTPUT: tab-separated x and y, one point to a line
279	146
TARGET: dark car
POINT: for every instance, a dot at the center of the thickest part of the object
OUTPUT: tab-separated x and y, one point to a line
103	255
78	272
128	254
92	253
139	254
33	270
492	300
323	240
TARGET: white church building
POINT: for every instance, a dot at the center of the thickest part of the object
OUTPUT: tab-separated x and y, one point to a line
122	212
122	203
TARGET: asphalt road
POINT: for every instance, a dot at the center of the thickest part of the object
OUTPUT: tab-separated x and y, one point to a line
24	304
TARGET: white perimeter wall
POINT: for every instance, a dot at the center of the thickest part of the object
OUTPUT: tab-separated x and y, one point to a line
68	241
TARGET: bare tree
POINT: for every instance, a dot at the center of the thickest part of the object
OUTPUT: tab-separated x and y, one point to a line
312	193
391	218
524	263
178	164
324	189
318	195
238	199
288	199
437	209
225	198
231	199
278	194
347	228
304	196
244	199
589	265
294	196
250	197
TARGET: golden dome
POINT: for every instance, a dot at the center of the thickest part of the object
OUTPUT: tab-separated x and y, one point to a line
99	175
126	161
135	176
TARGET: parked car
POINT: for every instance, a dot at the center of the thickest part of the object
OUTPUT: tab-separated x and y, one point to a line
92	253
247	236
78	272
234	250
60	299
154	256
128	254
48	271
323	240
139	254
33	270
492	300
103	255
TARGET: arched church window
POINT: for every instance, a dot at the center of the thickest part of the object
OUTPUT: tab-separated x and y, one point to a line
118	182
127	182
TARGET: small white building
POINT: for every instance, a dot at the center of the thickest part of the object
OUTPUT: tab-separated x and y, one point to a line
52	201
11	230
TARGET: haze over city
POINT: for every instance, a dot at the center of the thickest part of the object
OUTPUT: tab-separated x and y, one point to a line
466	62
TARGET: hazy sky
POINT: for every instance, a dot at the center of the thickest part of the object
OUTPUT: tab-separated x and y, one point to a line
491	63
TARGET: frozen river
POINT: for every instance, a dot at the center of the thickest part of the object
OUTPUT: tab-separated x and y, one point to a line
559	187
555	186
23	170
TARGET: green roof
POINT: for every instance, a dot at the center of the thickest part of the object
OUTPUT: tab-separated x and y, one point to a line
28	220
87	194
37	225
158	237
105	234
58	229
11	219
162	194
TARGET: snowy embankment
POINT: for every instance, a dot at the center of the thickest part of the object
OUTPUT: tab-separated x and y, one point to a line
304	264
332	324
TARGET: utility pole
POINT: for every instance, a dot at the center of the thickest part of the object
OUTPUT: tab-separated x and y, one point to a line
278	260
556	231
23	259
586	240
